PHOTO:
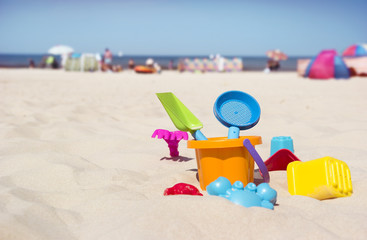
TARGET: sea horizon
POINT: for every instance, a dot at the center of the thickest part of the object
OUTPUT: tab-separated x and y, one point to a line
250	63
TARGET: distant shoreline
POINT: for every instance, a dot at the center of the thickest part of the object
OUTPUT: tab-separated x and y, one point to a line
24	67
249	63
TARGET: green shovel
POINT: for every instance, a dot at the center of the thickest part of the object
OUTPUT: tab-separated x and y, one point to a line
181	116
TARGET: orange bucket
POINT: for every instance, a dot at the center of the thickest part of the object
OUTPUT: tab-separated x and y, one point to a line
223	157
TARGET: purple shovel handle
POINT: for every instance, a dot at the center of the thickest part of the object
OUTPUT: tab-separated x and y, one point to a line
260	163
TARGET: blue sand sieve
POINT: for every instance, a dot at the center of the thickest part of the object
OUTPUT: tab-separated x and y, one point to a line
237	110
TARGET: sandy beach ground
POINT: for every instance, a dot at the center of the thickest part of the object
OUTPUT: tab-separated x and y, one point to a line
77	160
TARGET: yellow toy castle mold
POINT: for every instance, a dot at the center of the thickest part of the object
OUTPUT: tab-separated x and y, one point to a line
321	178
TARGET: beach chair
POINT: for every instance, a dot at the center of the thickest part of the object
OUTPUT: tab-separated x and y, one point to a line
82	62
89	62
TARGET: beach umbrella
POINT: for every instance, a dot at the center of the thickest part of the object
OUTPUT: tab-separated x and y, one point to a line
356	50
276	54
327	64
60	50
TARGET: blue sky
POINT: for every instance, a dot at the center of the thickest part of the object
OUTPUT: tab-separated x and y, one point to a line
190	27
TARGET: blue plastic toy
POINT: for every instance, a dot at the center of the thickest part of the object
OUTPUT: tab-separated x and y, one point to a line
237	111
219	186
250	196
281	142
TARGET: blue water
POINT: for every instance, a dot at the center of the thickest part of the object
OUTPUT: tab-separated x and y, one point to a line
249	63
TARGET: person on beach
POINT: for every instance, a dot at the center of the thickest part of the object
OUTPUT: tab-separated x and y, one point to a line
149	62
42	64
117	68
272	65
170	65
131	64
55	64
157	67
107	57
50	62
31	63
181	66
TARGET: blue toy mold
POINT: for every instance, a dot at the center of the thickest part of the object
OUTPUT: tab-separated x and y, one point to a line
250	196
219	187
281	142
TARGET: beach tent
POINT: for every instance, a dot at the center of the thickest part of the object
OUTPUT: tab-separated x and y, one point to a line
327	64
356	50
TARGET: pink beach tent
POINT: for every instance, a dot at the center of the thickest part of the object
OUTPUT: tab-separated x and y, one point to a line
327	64
356	50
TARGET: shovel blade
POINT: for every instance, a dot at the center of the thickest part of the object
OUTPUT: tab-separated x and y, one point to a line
181	116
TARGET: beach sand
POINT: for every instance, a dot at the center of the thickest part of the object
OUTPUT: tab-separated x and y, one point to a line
77	160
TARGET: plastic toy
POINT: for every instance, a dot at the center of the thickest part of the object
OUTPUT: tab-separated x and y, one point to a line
321	178
255	155
181	116
281	142
219	186
250	196
237	110
182	189
224	157
172	139
280	160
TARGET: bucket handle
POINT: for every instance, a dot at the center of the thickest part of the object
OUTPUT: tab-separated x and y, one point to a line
260	163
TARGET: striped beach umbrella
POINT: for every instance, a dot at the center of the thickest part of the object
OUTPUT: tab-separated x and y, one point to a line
356	50
276	54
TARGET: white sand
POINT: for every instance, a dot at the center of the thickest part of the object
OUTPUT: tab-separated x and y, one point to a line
77	160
